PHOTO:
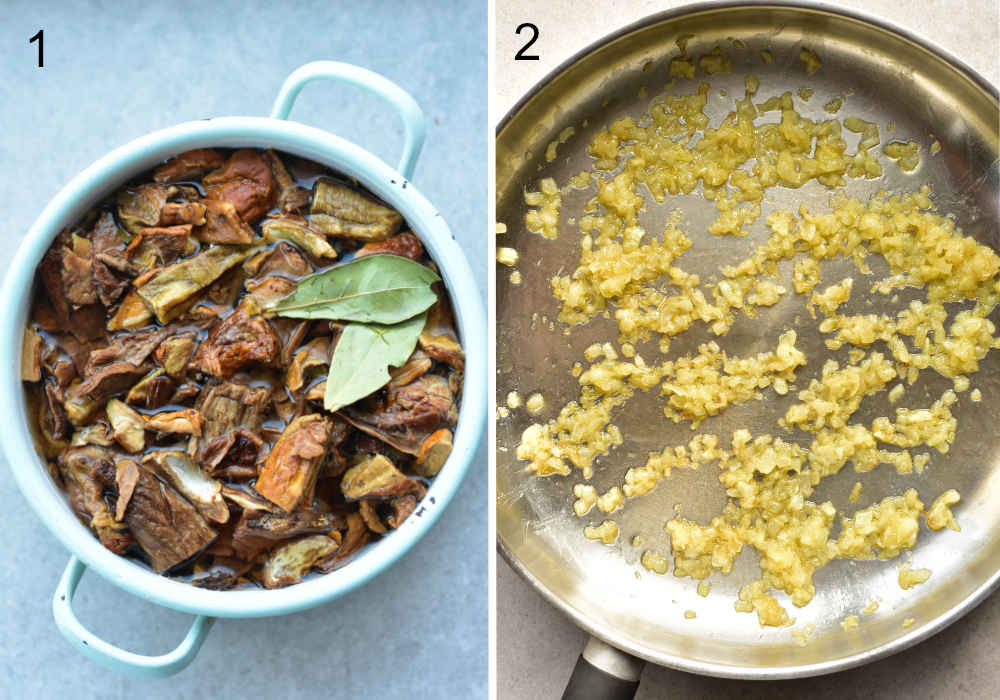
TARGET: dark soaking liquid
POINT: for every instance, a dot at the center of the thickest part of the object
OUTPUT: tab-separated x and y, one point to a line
184	422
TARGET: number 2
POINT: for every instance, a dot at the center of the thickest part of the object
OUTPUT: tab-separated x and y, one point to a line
40	38
520	55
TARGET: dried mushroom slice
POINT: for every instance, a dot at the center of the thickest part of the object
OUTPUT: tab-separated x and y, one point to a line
289	474
338	210
289	563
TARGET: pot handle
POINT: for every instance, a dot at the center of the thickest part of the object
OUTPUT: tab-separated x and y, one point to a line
109	655
414	125
603	673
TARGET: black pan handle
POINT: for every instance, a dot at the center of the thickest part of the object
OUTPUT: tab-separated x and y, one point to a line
603	673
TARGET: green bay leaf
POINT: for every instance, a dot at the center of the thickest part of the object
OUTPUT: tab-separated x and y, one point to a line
384	289
361	360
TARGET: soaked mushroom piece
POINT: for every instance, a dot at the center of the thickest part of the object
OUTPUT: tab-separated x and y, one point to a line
79	407
407	415
257	531
246	181
270	289
186	421
371	517
180	471
291	197
141	207
93	434
376	477
188	165
152	391
237	341
284	259
179	213
417	366
78	279
246	500
175	284
155	247
402	508
403	244
131	313
299	232
338	210
234	453
222	224
80	469
289	474
433	453
174	352
438	338
168	529
127	425
31	355
314	354
354	539
289	563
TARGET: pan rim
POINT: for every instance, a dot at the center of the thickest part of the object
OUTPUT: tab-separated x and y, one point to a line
716	669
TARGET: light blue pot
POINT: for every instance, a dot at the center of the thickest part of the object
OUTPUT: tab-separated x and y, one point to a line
100	179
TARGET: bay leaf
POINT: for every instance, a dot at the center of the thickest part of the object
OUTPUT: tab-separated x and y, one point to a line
361	360
384	289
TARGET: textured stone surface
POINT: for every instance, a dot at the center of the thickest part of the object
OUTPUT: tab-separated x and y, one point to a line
112	75
536	645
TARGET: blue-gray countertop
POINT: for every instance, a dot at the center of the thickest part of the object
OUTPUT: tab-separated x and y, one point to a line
113	74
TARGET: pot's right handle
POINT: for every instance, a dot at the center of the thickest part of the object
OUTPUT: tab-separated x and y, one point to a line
603	673
108	654
414	125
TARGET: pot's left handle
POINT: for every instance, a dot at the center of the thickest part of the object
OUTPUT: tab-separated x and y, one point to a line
414	124
111	656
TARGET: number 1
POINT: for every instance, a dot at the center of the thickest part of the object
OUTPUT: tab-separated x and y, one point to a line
40	38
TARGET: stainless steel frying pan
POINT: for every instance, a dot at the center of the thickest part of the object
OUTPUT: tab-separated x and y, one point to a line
887	76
